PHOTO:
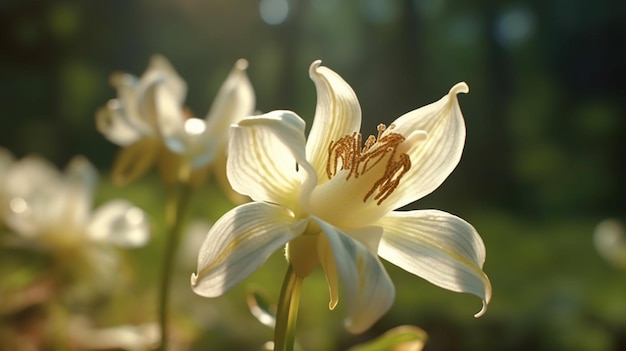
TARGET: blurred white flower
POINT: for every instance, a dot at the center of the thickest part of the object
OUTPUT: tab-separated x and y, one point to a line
609	238
53	211
332	198
128	337
149	120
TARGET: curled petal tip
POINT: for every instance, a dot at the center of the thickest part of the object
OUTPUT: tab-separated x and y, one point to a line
486	297
461	87
314	66
194	279
241	64
482	310
486	300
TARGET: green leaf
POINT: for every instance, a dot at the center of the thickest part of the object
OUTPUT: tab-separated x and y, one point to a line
402	338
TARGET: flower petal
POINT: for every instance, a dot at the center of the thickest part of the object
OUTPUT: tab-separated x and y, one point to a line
126	337
128	91
137	104
121	223
368	289
170	117
439	247
433	159
196	139
264	155
238	243
160	67
160	74
33	189
183	135
112	122
337	113
234	101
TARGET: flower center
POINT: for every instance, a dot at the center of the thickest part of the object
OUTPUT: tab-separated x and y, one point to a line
347	154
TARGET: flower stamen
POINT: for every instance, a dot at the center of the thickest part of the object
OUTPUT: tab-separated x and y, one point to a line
347	154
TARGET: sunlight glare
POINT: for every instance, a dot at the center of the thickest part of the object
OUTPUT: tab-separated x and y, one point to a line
18	205
195	126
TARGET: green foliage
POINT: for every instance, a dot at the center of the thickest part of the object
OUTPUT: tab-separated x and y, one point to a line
403	338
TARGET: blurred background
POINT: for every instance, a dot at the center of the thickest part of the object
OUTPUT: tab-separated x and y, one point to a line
543	164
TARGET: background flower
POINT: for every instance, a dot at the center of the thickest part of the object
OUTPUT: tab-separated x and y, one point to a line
52	211
149	120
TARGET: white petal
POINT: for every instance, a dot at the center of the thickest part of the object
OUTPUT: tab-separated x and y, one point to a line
112	122
439	247
369	292
27	174
161	74
201	140
129	89
202	147
433	159
121	223
170	117
139	106
186	137
161	67
126	337
234	101
337	113
126	103
238	243
33	189
181	133
264	152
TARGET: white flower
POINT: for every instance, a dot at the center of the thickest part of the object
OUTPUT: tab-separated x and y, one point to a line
331	199
126	337
54	210
609	238
149	120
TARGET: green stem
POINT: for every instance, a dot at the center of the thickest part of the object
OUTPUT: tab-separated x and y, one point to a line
287	314
177	201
